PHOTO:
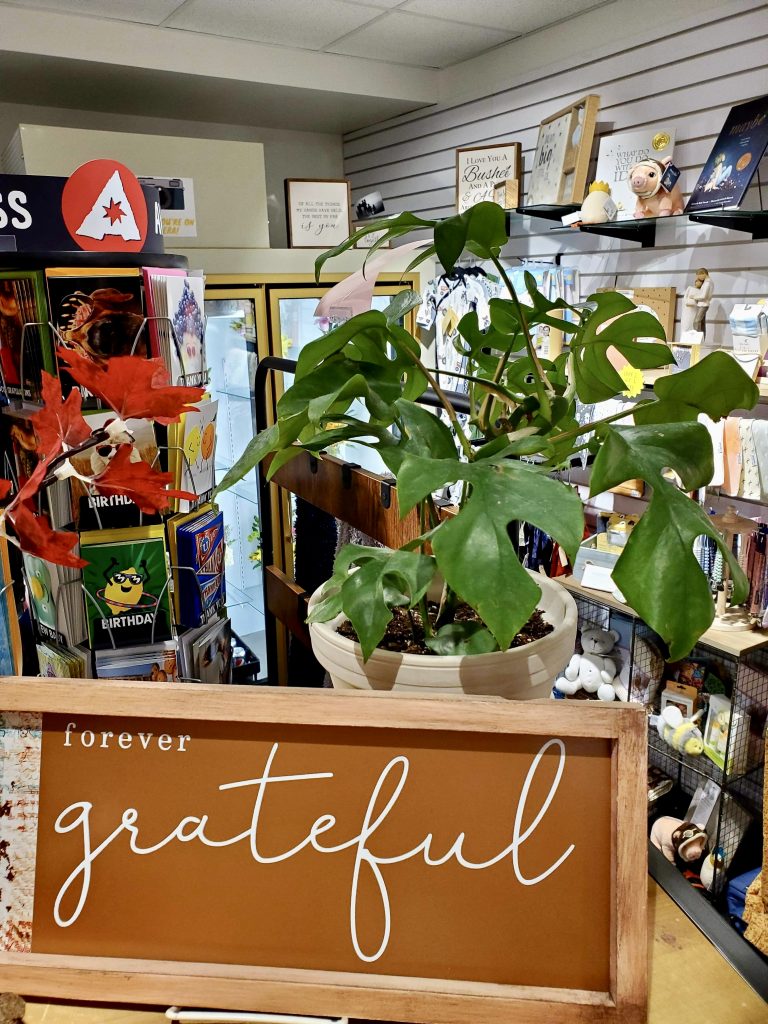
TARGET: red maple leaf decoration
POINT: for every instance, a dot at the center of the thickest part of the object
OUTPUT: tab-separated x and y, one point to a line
36	537
114	211
5	488
134	387
145	486
59	422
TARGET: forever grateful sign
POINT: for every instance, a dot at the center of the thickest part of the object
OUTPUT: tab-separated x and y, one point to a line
312	852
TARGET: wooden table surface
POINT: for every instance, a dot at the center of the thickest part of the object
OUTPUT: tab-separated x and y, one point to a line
690	983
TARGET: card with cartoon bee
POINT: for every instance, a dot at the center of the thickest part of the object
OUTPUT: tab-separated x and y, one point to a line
99	314
126	586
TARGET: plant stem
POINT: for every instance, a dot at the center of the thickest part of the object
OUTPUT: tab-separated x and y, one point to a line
424	612
97	437
443	399
568	434
543	379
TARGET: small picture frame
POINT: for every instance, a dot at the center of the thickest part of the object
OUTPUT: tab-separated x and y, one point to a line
507	194
318	212
561	163
479	169
369	240
673	698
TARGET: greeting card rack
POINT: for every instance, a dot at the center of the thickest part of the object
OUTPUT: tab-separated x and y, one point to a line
23	405
740	662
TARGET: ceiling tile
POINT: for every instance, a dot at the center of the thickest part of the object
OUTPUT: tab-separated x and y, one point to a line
145	12
376	3
310	24
425	42
516	16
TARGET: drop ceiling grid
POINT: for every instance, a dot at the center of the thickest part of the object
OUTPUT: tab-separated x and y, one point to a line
417	33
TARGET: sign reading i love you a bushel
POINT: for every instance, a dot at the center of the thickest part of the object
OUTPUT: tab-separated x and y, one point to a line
366	855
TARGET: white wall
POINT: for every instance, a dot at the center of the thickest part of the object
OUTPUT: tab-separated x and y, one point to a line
646	71
287	154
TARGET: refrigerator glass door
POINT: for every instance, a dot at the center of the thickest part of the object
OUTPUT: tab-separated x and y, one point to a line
232	347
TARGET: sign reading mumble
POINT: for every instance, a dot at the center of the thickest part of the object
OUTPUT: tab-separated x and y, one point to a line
312	852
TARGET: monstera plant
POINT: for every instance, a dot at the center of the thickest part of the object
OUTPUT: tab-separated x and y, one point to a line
522	431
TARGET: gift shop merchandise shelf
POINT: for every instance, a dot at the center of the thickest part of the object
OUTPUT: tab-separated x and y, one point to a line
147	305
726	792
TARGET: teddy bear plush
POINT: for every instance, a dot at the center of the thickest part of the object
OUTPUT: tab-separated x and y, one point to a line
594	671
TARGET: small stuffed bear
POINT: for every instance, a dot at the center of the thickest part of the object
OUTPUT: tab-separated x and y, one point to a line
12	1008
593	671
675	836
652	199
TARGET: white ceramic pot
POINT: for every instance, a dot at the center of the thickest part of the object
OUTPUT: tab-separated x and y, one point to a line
522	673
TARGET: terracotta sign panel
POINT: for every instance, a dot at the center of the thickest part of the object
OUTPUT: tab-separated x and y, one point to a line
423	855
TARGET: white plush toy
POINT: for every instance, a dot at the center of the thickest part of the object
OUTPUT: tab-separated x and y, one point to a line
593	671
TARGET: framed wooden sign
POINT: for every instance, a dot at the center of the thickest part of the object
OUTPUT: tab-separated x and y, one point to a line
312	852
318	212
480	168
561	163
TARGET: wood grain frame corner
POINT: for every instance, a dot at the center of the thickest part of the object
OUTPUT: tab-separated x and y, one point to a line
578	164
375	997
315	181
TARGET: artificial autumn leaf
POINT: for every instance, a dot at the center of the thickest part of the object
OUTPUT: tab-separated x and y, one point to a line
36	537
5	488
59	422
135	388
145	486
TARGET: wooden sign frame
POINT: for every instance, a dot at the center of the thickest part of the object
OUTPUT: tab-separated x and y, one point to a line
572	166
368	996
489	152
329	185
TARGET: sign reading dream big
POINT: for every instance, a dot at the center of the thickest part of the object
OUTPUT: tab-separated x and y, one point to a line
317	852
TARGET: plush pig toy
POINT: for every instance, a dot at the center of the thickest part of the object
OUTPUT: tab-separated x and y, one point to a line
652	199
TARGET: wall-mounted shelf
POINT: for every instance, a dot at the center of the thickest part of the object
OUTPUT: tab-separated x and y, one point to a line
642	231
753	222
549	212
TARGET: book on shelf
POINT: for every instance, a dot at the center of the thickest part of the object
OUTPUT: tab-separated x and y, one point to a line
97	313
126	586
56	600
196	546
93	511
25	338
192	452
734	159
152	662
175	301
618	154
10	634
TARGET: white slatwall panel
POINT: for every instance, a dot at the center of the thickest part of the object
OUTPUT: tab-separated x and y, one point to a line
689	79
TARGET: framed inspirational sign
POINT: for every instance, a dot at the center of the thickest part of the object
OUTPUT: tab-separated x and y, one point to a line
366	855
479	169
319	212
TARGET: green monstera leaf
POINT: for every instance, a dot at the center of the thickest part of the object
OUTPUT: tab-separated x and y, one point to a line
715	386
595	376
393	227
657	571
382	579
481	230
473	549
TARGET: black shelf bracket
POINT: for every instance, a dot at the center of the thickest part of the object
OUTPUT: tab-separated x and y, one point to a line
739	953
549	212
753	222
642	231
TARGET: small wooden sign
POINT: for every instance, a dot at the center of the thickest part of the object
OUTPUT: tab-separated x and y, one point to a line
479	169
369	855
319	212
